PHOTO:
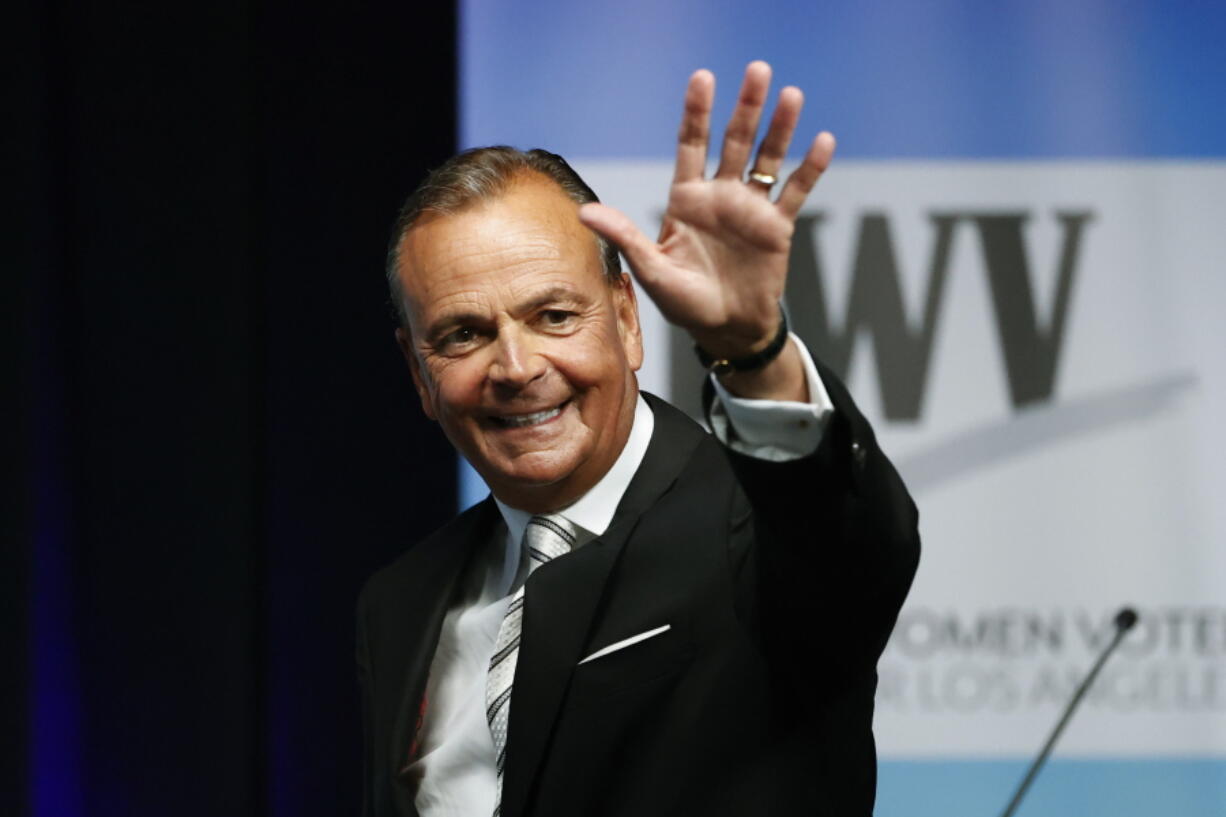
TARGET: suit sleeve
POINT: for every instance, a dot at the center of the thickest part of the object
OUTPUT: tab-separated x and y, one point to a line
833	543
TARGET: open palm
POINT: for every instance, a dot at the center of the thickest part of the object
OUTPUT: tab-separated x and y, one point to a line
719	267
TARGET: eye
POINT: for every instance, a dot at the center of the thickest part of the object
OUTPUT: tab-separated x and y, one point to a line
458	337
556	317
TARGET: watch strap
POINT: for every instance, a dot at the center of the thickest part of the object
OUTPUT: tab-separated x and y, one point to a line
723	365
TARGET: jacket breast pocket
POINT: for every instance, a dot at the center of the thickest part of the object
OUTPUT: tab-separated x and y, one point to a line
648	657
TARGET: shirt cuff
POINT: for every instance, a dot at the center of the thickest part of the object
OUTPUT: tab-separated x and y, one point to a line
774	430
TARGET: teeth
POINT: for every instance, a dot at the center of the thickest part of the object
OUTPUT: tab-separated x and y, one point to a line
531	419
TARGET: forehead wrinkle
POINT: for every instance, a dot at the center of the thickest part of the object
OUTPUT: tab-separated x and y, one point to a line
505	283
509	239
509	251
512	298
467	262
518	296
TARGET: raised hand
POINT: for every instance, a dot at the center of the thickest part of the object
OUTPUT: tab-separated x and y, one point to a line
720	265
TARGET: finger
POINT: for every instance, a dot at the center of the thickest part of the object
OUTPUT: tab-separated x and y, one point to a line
671	293
695	127
778	136
640	251
802	180
742	128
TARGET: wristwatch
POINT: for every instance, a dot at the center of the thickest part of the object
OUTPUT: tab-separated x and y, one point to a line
723	365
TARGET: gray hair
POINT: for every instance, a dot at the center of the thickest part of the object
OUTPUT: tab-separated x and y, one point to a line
477	175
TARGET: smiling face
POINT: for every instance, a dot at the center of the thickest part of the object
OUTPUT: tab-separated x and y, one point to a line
519	346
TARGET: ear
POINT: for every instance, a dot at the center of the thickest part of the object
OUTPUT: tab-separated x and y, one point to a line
405	341
626	307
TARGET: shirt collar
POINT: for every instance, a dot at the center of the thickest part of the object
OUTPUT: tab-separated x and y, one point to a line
593	511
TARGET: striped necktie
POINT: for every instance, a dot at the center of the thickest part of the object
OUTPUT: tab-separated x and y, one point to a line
545	539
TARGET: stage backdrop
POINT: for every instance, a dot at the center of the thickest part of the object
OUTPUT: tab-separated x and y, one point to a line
1017	263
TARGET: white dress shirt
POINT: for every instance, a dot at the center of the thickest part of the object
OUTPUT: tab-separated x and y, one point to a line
455	765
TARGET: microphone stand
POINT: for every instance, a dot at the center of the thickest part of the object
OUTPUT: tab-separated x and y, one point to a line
1125	619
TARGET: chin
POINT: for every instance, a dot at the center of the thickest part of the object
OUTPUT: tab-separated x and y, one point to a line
540	474
527	481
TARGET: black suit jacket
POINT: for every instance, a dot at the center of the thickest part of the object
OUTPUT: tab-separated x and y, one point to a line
780	583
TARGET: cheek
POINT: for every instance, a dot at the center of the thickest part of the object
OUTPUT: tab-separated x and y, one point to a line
597	362
454	387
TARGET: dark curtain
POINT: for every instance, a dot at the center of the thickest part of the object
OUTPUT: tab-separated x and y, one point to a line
213	438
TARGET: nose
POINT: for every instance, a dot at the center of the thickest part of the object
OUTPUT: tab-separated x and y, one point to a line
516	361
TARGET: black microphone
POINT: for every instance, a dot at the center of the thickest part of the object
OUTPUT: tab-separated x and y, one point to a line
1125	619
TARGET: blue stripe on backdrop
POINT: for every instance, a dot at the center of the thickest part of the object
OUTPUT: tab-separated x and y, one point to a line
1016	79
1188	787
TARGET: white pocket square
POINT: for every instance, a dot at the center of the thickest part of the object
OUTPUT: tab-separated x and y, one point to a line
625	642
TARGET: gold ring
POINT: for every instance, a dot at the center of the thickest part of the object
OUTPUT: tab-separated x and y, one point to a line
763	178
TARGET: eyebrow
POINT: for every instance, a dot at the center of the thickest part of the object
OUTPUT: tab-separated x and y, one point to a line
553	295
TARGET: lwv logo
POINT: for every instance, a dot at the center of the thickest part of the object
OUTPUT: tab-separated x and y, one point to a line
1031	352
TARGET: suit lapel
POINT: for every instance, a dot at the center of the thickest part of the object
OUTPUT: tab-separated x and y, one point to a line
563	597
443	562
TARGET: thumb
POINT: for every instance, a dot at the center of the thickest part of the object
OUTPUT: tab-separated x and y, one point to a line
616	227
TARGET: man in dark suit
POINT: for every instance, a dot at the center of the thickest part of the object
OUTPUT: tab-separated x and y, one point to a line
641	619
